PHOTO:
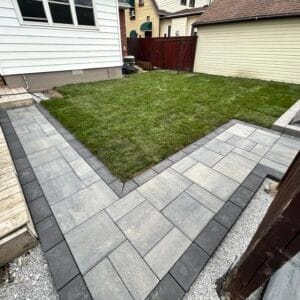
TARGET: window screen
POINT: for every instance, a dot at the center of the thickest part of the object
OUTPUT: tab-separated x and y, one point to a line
60	11
32	10
84	12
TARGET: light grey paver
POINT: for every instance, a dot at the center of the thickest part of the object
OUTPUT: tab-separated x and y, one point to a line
188	215
104	283
166	252
281	154
77	208
163	188
144	227
144	177
241	130
260	150
219	146
128	262
214	182
241	143
51	169
289	142
235	166
272	164
93	240
205	197
247	154
263	137
43	156
84	171
224	136
69	153
61	187
206	156
123	206
184	164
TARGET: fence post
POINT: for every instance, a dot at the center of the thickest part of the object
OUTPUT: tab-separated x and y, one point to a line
276	241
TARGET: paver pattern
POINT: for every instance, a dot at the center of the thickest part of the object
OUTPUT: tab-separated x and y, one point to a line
124	246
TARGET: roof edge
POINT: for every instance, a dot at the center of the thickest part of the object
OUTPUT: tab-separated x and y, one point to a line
252	18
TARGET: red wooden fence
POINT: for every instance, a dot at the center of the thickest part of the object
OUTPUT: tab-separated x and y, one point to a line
174	53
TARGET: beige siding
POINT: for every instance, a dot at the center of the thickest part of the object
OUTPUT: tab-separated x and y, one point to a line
141	13
191	20
164	26
178	27
268	49
174	5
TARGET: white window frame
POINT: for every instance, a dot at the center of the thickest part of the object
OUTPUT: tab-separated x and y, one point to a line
50	22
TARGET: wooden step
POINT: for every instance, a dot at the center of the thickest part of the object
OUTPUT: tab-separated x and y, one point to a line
11	98
17	233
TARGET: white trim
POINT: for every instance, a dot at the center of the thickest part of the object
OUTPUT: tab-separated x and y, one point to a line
73	13
119	33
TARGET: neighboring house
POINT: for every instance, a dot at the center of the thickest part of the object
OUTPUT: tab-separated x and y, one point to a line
46	43
155	18
250	38
123	6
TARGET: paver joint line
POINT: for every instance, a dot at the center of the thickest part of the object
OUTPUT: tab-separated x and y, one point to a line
195	195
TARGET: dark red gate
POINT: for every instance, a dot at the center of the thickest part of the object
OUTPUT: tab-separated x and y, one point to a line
175	53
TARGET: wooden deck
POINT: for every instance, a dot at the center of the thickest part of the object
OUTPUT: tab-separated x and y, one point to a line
10	98
16	230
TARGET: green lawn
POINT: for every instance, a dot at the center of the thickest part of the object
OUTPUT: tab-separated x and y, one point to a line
135	122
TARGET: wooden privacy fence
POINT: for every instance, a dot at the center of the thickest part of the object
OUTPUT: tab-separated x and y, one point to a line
173	53
276	240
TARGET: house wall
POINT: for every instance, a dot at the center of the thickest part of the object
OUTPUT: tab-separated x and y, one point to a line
141	13
27	48
182	25
174	5
265	49
123	31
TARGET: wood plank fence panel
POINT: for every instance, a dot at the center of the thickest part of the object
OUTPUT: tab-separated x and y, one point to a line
175	53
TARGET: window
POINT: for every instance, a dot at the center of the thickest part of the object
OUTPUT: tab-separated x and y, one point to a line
192	3
60	11
32	10
148	19
84	12
141	2
132	14
183	2
73	12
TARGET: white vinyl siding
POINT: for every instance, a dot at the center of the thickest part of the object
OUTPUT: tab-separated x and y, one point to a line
265	49
178	26
34	48
174	5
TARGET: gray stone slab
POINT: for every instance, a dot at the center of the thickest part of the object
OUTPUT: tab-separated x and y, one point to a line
177	156
216	183
281	154
247	154
163	165
263	137
84	171
188	215
273	165
76	289
106	175
104	282
219	146
184	164
163	188
61	187
48	129
128	187
144	227
260	150
133	270
95	163
206	156
123	206
166	252
52	169
69	153
241	143
205	198
224	136
144	177
235	167
82	205
91	241
241	130
292	143
43	156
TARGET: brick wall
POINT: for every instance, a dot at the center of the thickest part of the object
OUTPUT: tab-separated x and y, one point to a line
123	31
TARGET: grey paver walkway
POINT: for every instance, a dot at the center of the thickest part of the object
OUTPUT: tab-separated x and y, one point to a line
125	246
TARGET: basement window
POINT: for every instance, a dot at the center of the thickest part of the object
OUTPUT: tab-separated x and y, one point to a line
32	10
183	2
